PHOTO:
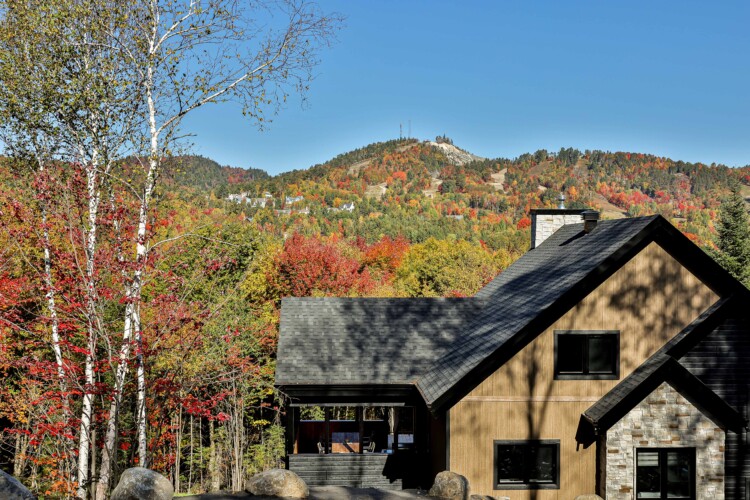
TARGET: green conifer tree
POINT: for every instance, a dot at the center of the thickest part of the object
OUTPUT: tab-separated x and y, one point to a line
734	237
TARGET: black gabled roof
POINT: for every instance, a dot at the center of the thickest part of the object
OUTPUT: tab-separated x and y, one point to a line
544	284
658	369
663	366
448	346
366	341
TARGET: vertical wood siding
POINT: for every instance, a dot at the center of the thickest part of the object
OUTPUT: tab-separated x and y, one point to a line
721	361
649	300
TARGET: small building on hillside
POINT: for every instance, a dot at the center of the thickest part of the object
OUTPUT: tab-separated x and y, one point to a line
612	358
291	200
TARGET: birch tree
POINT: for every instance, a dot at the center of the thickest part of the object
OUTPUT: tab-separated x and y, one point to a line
188	54
66	97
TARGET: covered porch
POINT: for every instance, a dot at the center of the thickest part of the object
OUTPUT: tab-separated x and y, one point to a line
357	437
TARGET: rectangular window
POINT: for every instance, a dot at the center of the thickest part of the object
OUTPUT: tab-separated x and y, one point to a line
665	473
587	354
527	464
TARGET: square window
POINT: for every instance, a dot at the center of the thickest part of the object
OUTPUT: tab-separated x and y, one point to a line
527	464
665	473
587	354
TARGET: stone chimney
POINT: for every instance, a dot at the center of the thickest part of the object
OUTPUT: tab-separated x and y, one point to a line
545	221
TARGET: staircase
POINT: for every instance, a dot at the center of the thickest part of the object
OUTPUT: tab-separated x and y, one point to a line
344	469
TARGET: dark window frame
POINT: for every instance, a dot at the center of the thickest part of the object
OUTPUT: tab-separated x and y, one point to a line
615	375
554	485
663	464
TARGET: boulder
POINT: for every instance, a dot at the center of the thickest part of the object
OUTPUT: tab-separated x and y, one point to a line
139	483
12	489
589	497
278	483
450	486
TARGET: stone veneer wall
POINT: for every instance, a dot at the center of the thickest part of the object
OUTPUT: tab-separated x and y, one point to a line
664	419
543	225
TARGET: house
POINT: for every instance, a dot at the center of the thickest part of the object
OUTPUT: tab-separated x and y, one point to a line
260	202
612	358
291	200
237	197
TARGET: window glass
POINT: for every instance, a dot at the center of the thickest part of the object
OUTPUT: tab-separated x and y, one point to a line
527	464
601	353
510	463
648	474
587	354
679	473
570	353
543	463
665	473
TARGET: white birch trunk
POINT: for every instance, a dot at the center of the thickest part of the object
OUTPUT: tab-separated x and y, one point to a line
52	309
84	439
110	438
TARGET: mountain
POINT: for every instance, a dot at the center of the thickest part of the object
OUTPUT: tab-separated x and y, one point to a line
204	173
435	187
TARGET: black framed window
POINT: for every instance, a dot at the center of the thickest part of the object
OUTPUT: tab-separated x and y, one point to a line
527	464
587	354
663	473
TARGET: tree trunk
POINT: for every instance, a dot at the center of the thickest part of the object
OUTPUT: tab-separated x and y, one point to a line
177	454
110	439
84	438
214	476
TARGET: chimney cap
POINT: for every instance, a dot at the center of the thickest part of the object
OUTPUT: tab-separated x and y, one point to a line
590	215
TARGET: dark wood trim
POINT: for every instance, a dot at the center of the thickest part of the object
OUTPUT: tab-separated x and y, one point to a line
688	385
327	444
351	395
555	485
361	428
702	397
447	440
615	375
292	416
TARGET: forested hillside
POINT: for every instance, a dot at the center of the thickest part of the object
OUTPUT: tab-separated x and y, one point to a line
398	218
416	189
204	173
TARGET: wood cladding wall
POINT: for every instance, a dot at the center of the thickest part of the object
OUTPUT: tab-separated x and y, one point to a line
649	300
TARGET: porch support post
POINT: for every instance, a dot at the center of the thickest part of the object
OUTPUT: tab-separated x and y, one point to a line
328	429
361	420
292	421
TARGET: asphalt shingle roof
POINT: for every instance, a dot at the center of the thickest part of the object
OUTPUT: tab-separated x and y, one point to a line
366	340
435	343
523	291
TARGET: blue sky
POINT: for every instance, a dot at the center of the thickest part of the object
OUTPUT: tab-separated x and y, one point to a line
502	78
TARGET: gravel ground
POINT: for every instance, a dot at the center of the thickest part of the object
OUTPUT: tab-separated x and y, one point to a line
324	493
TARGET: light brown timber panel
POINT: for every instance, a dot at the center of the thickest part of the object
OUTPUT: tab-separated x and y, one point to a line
649	300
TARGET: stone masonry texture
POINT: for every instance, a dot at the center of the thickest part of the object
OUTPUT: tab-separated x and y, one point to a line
545	225
664	419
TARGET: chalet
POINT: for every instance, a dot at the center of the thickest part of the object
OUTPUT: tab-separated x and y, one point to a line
612	358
